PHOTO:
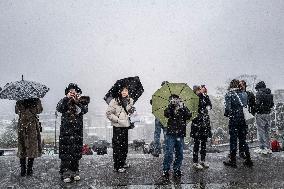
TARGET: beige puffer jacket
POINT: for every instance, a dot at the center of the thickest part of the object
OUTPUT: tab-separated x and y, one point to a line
117	115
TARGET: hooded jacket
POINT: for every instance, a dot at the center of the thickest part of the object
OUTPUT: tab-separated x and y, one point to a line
263	99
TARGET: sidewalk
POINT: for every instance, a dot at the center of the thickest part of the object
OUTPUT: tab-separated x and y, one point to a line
97	172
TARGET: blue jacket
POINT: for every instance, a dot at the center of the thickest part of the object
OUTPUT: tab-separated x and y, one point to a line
235	100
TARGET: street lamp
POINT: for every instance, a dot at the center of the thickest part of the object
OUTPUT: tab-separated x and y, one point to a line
55	144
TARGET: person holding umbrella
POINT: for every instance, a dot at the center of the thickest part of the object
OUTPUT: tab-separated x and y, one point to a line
73	106
177	114
157	133
118	113
28	106
29	128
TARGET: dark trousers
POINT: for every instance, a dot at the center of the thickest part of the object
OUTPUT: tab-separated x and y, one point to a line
69	166
237	130
197	142
120	146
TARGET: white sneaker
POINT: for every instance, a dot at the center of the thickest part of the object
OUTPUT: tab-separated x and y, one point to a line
67	180
264	151
121	170
126	165
269	151
258	150
197	166
77	178
204	164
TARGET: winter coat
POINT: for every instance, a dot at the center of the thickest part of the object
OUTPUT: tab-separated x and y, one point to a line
263	101
234	110
200	126
117	115
29	139
233	107
251	102
176	125
71	129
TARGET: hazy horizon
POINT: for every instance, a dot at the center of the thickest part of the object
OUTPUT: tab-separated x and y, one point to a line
95	43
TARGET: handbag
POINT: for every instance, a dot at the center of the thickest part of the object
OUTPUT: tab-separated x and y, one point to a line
246	112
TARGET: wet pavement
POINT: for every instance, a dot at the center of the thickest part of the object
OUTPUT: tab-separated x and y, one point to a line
145	172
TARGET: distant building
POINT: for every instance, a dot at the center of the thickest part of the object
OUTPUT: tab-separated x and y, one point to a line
279	96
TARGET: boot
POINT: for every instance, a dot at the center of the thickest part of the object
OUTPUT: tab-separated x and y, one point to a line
248	161
23	166
231	162
30	166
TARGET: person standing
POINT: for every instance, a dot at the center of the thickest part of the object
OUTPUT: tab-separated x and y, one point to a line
263	105
29	128
235	100
118	113
177	114
157	133
200	127
250	107
73	106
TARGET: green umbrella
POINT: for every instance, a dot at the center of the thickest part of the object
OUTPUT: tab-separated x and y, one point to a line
160	100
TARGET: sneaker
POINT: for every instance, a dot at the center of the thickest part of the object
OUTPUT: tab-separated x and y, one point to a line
77	178
126	165
230	163
165	177
258	150
204	164
197	166
67	180
264	152
121	170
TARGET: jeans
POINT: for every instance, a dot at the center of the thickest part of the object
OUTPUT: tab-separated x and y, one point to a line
197	142
157	136
263	126
238	130
173	144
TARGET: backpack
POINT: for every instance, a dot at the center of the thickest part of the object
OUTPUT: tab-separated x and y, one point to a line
275	146
264	103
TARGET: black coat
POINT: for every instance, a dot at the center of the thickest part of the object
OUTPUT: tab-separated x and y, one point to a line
71	130
200	127
176	125
263	101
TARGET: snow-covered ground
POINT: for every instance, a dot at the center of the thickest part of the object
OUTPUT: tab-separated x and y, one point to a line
97	172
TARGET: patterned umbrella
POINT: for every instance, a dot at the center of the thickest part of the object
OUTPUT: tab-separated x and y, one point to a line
160	100
23	89
135	88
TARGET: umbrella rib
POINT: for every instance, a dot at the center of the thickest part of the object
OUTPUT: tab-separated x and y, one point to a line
160	97
182	90
160	108
169	89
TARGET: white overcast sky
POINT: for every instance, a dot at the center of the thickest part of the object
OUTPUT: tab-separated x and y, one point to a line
94	43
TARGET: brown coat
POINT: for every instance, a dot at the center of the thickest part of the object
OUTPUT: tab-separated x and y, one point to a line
29	139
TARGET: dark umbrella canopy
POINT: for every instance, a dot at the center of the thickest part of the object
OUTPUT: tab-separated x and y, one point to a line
135	88
23	89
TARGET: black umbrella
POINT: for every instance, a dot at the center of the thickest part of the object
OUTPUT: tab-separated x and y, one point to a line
135	88
23	89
